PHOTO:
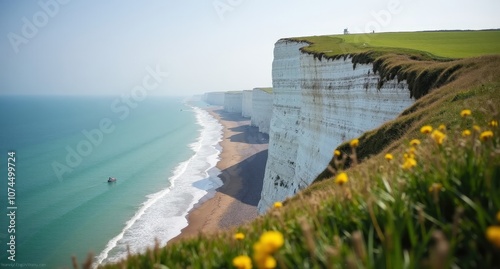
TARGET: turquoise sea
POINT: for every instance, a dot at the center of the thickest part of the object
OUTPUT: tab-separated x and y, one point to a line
162	151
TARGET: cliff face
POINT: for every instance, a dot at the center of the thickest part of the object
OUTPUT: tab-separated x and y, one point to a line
262	109
318	104
246	104
233	102
214	98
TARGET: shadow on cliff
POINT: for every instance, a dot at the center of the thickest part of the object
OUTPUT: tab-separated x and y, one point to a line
242	181
245	133
230	116
250	173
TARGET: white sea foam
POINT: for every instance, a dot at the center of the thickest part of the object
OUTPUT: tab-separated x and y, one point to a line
163	215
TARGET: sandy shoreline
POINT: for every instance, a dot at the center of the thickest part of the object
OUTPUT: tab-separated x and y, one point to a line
242	163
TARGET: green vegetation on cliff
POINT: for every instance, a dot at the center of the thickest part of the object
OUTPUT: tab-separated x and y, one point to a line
268	89
412	198
436	45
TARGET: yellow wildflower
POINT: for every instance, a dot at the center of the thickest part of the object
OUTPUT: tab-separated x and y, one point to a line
466	133
268	243
409	163
259	251
242	262
493	235
337	153
486	135
435	187
341	179
354	143
239	236
493	123
476	128
438	136
389	156
278	204
442	127
410	153
415	142
269	262
271	241
464	113
427	129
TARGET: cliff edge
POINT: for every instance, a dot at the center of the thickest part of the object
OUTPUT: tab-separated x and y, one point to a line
318	104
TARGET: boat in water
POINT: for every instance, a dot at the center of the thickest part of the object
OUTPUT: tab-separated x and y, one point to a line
111	179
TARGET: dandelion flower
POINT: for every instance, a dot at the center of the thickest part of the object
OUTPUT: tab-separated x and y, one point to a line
476	128
486	135
409	163
466	133
239	236
354	143
341	179
278	204
438	136
242	262
493	123
464	113
271	241
268	243
493	235
435	187
388	156
410	153
269	262
427	129
442	127
337	153
415	142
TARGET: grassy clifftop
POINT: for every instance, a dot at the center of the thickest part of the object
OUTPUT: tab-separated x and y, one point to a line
268	89
412	198
437	45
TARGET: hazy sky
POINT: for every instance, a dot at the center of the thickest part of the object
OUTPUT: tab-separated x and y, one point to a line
108	46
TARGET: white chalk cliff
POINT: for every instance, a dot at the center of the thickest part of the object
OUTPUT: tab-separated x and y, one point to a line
233	102
262	109
214	98
317	105
246	104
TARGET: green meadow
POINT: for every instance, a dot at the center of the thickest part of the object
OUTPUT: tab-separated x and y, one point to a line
460	44
420	191
445	44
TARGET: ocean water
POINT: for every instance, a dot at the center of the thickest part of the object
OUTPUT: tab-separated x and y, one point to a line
163	151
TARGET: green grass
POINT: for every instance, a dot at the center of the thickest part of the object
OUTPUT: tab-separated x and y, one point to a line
453	44
460	44
268	90
434	215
